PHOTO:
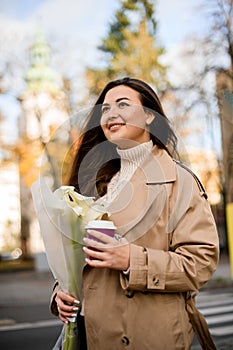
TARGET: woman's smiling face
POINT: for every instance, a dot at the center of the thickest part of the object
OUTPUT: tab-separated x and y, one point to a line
124	121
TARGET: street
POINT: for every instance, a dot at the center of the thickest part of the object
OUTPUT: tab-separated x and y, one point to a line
217	307
25	319
28	327
29	339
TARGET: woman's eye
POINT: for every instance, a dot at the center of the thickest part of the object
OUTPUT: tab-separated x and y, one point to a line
123	104
105	109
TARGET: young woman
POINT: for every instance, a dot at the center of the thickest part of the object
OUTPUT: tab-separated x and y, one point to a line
138	288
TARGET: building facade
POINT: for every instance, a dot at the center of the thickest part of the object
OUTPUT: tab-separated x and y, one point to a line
44	109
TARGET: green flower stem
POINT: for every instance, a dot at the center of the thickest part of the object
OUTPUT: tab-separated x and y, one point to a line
70	340
75	279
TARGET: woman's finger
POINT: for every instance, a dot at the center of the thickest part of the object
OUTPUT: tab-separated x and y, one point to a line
98	255
67	298
115	258
67	306
100	236
104	241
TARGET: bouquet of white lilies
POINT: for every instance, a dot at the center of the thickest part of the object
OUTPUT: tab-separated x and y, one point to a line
63	215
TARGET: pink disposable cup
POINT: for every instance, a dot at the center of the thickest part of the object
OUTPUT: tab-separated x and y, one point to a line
104	226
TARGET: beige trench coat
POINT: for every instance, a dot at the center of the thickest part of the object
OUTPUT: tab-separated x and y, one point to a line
163	212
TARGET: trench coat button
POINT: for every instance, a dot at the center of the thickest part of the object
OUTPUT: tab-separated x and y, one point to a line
155	281
129	293
125	340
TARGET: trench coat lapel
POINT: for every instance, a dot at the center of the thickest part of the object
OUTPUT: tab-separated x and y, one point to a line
144	196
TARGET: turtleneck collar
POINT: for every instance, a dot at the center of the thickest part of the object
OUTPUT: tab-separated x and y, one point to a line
134	155
131	158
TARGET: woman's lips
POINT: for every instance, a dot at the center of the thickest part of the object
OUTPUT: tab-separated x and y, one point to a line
115	126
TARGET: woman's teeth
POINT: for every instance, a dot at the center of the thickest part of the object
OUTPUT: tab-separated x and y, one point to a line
115	126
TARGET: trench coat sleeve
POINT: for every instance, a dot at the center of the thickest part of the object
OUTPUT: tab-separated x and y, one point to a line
191	259
53	304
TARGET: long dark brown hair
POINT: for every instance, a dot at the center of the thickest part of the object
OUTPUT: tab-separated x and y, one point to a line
96	160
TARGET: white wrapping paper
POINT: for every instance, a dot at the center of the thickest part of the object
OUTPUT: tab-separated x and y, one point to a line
62	216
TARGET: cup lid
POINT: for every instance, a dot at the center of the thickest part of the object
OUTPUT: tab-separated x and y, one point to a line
95	224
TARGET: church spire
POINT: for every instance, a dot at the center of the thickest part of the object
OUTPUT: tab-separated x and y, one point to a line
40	76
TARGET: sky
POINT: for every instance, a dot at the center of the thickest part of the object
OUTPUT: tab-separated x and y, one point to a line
88	20
84	23
80	26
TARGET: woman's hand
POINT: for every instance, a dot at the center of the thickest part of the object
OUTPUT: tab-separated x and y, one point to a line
111	252
67	306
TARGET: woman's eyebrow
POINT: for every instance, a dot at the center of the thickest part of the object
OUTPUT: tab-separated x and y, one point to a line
122	98
118	100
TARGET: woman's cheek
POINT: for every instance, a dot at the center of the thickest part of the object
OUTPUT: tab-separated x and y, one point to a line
106	132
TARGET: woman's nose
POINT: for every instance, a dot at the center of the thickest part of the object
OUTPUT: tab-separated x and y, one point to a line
112	109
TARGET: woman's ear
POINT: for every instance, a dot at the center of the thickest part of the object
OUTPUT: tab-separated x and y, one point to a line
150	117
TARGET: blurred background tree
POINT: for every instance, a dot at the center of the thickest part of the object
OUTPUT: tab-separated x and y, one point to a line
130	48
205	58
204	87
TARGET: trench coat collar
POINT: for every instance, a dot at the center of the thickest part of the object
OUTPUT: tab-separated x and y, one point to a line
140	193
159	167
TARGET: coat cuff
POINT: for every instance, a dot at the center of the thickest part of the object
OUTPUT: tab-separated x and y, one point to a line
147	269
137	278
157	262
53	304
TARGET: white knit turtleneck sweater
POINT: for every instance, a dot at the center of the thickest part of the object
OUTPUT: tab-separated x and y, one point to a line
131	158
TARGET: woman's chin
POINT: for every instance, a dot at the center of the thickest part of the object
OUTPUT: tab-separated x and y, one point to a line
124	143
